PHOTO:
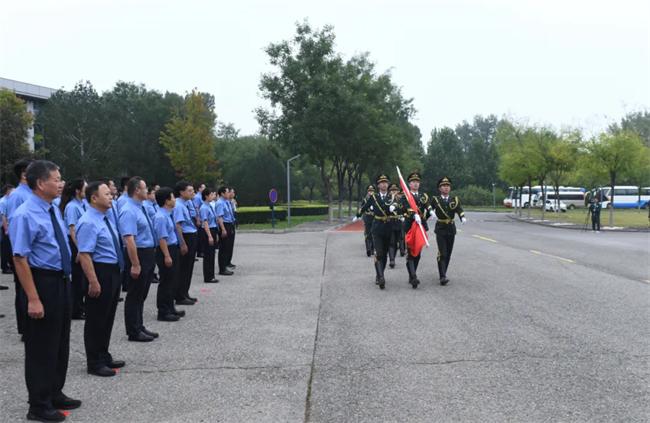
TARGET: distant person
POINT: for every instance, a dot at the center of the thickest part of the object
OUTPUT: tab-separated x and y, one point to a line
226	222
209	232
188	241
594	208
5	247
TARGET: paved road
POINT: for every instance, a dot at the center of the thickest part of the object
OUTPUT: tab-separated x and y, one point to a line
538	324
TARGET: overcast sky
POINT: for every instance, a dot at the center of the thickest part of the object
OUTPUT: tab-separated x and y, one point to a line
554	62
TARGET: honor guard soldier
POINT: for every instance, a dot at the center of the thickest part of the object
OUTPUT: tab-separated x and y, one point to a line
367	221
42	262
210	230
167	255
422	202
382	207
100	255
139	239
188	241
396	226
445	208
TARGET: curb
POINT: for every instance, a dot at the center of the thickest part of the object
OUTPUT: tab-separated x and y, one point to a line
575	227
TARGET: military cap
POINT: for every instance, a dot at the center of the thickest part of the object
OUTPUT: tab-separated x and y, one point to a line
370	188
383	178
393	187
414	176
444	181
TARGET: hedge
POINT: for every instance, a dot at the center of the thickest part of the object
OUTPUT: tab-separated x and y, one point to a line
264	216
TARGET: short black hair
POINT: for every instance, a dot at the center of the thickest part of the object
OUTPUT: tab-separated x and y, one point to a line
92	189
6	188
222	190
132	185
123	181
206	193
163	194
39	170
20	166
180	187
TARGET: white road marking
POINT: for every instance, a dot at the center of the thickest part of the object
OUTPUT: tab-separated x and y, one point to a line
551	255
485	238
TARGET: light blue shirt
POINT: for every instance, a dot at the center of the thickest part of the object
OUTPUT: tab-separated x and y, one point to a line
32	234
182	215
73	211
18	197
165	227
208	213
121	200
94	237
133	221
3	205
224	210
197	201
113	214
57	202
151	208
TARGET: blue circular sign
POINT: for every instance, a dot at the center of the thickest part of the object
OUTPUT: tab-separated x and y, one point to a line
273	195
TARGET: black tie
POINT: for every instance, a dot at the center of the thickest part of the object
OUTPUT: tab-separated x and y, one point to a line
83	206
63	246
153	234
116	244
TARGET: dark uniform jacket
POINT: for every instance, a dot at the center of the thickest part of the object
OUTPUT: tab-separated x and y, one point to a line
381	212
422	201
445	211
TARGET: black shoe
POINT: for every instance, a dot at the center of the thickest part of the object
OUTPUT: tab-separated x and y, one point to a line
7	272
79	316
116	364
155	280
231	266
192	299
444	281
382	283
3	288
179	313
392	264
213	280
119	300
414	282
368	253
376	280
1	316
52	415
150	333
140	337
226	273
168	318
64	402
103	371
184	301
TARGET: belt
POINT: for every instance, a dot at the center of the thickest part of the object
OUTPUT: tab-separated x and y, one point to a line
381	218
393	217
146	249
49	272
446	221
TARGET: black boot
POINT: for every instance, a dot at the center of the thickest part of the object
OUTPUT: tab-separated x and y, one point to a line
413	277
379	268
368	246
391	255
442	272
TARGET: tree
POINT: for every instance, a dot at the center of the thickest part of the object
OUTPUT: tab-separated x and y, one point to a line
480	153
638	122
563	152
15	122
189	140
617	154
444	157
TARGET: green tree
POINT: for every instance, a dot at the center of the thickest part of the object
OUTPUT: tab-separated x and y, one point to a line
189	140
563	158
444	157
15	122
480	153
638	122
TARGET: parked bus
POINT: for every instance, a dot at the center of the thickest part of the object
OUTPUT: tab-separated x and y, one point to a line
626	197
572	196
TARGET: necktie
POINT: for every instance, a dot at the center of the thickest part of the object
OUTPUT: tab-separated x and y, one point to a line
63	246
116	244
83	206
153	234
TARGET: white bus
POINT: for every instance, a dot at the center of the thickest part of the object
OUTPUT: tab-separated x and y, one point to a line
626	197
572	196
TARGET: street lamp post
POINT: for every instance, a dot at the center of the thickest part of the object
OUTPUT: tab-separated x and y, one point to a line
289	189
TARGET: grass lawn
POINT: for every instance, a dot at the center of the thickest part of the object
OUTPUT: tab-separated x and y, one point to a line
295	220
281	206
629	218
499	209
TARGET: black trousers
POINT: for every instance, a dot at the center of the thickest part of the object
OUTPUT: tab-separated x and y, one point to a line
226	246
381	235
100	315
202	240
595	221
186	266
168	280
137	290
47	340
20	304
209	253
5	252
367	233
79	283
445	241
395	240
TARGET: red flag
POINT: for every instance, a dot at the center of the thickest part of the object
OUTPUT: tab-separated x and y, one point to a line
415	238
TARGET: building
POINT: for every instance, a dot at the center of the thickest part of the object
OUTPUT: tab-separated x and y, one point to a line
33	95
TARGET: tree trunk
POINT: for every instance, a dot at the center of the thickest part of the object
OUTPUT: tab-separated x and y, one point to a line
612	183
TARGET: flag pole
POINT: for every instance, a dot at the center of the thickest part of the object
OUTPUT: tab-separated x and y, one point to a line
409	196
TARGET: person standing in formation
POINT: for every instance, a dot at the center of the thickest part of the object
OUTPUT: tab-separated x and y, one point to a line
185	224
412	217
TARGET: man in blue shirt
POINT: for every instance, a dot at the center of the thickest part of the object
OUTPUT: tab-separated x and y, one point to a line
42	263
5	248
151	207
209	232
73	207
18	197
139	239
101	258
124	195
226	222
197	201
184	192
167	256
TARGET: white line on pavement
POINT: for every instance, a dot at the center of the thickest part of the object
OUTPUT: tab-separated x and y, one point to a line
551	255
485	238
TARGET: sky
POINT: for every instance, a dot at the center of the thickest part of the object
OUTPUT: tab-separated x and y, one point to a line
564	64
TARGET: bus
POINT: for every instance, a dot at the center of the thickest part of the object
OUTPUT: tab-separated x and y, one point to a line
572	196
626	197
513	200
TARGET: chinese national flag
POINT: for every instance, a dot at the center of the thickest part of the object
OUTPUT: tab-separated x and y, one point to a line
415	238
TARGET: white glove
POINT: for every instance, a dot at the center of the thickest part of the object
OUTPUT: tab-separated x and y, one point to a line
371	208
354	219
392	208
417	218
463	220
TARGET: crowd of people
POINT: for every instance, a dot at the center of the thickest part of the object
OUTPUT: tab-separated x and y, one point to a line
74	246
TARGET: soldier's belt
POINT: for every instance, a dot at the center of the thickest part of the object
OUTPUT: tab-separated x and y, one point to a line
368	213
382	218
446	221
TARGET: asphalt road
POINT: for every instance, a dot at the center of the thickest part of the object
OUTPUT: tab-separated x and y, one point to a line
538	324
